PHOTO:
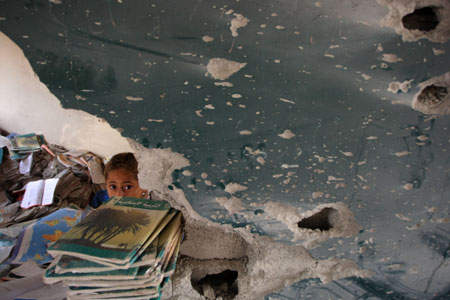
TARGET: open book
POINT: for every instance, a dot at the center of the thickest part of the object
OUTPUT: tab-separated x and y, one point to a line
39	193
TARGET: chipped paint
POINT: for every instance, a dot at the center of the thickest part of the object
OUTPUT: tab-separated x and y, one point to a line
238	21
221	68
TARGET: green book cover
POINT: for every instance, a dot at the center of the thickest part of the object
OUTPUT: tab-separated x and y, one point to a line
51	276
162	225
113	233
76	264
91	290
151	292
27	142
97	283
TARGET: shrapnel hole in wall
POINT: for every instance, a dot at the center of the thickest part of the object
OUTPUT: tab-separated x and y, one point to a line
213	286
323	220
423	19
432	94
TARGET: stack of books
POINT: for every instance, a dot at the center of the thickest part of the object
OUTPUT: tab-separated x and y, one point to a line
22	145
126	249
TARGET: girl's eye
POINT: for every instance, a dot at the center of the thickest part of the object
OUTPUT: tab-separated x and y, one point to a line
128	187
112	186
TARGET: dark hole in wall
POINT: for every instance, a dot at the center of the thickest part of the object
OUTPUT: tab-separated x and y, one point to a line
213	286
432	94
423	19
323	220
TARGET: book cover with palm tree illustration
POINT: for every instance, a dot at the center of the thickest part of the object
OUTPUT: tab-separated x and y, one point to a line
114	232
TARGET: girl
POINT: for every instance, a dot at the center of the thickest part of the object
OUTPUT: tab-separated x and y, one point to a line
121	176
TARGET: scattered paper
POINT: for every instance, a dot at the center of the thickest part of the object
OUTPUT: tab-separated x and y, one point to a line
25	165
30	268
12	289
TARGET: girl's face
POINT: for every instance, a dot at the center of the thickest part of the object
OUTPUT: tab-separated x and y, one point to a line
122	182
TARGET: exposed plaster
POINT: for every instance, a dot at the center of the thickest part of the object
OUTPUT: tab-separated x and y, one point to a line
401	8
221	68
28	106
434	96
342	219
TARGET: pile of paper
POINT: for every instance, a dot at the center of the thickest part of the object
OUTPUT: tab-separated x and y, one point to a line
126	249
83	159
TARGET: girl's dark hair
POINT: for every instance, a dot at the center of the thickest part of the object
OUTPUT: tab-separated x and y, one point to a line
125	161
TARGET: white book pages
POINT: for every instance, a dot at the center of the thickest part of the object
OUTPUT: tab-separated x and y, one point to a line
39	192
49	191
33	194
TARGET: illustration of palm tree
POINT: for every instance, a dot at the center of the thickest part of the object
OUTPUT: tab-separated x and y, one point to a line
107	223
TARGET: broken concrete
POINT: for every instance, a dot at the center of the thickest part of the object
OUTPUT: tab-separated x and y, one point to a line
418	19
340	219
434	96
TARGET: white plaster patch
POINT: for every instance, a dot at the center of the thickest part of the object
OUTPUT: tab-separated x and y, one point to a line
395	86
287	100
223	83
245	132
221	68
348	154
261	160
187	173
402	217
422	138
402	153
70	128
233	205
333	178
131	98
365	76
408	186
155	120
438	52
239	21
316	195
234	187
391	58
207	39
287	134
287	166
434	96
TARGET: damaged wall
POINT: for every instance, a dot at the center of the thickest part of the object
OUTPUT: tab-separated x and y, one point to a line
284	131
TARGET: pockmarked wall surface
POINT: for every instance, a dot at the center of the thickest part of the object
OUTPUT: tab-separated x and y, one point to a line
315	132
